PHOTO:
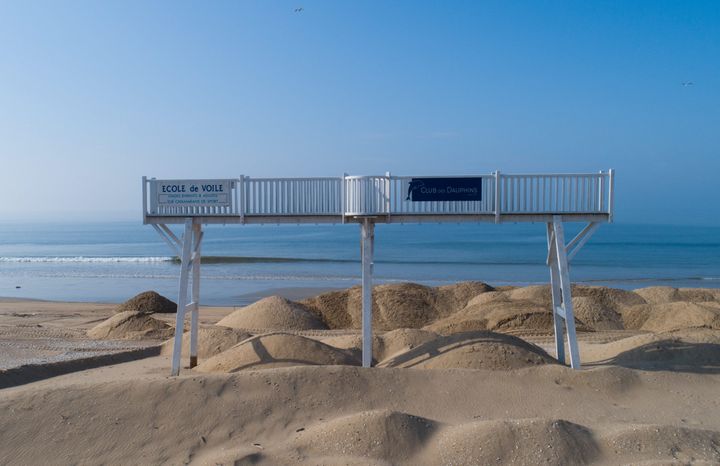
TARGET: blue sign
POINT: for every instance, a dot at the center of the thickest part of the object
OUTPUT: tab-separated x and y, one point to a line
444	189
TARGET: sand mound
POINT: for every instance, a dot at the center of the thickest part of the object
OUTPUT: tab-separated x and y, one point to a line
274	312
659	294
613	298
496	315
276	350
457	325
384	345
403	340
148	302
601	308
212	340
666	294
130	326
522	441
472	350
383	434
634	317
538	294
353	345
529	308
474	306
680	315
593	314
652	443
401	305
458	295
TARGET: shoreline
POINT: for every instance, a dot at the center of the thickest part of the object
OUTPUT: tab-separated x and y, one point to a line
304	292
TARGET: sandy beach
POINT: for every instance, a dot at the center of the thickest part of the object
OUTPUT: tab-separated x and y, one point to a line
464	375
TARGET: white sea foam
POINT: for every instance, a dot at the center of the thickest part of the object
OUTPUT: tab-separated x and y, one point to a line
83	259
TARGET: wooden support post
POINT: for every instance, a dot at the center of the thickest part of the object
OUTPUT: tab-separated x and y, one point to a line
563	272
558	320
197	239
367	234
182	296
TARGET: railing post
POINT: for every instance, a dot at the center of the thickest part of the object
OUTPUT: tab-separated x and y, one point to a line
241	198
497	196
343	193
388	193
611	194
144	195
153	197
238	198
601	192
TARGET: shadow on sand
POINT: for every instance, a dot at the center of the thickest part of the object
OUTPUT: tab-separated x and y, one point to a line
457	341
670	355
36	372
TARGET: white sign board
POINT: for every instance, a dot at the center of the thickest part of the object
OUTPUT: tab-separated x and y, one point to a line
194	193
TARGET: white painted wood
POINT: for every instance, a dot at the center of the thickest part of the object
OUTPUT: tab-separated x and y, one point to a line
611	194
497	196
578	197
558	320
382	195
578	237
579	241
166	238
194	316
367	235
550	243
144	196
153	194
182	296
564	275
172	236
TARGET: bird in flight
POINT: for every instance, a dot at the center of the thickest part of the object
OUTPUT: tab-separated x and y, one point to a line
299	9
687	83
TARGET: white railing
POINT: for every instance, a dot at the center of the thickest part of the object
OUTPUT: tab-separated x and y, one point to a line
501	194
367	195
291	196
571	193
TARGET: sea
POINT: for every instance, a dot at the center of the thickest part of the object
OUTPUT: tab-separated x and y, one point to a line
113	261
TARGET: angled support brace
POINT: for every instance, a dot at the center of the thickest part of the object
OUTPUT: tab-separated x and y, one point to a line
172	241
574	246
579	241
561	295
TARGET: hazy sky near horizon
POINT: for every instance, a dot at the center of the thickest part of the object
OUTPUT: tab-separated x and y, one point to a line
94	95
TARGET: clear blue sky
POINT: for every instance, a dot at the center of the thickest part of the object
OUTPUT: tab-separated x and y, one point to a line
93	95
